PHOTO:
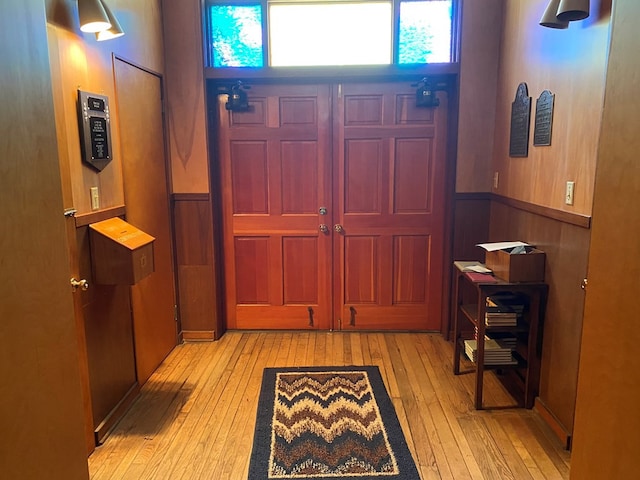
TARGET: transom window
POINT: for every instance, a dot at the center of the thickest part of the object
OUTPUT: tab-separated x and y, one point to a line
307	33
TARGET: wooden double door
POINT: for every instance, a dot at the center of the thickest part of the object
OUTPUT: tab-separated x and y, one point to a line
333	208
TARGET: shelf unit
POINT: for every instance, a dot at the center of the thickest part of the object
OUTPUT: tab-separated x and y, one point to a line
469	310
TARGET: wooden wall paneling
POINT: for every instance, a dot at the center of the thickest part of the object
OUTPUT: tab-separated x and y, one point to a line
571	64
79	62
41	411
607	421
73	67
198	300
185	88
480	49
470	226
566	247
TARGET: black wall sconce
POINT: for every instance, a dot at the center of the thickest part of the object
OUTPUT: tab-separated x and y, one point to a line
426	92
237	96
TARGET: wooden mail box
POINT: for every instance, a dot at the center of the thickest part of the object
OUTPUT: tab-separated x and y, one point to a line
121	254
517	267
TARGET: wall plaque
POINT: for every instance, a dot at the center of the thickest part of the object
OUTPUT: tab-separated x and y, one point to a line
520	116
95	132
544	119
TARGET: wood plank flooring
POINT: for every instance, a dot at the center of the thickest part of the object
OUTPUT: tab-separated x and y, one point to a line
195	416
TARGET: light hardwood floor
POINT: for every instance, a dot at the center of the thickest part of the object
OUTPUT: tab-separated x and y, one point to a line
195	416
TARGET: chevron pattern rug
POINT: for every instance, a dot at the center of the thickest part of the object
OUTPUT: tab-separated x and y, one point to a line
328	423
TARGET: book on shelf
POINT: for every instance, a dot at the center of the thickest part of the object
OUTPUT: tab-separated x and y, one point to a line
503	338
503	310
476	277
494	354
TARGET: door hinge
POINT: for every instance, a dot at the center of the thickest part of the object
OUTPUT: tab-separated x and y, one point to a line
175	313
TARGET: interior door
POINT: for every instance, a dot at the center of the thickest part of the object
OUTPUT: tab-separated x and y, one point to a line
275	170
146	192
390	197
376	162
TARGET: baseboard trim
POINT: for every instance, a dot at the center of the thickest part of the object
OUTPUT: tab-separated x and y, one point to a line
198	335
116	414
554	424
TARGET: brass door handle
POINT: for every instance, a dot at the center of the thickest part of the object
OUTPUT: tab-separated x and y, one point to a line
79	284
324	228
338	228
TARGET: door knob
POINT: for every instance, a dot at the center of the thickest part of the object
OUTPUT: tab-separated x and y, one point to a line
324	228
79	284
338	228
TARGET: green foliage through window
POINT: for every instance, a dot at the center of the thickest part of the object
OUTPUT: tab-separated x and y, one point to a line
236	35
425	32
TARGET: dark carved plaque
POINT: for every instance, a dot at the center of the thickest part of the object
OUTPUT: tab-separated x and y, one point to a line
95	134
544	119
520	116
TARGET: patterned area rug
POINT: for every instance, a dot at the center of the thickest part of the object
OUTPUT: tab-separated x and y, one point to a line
328	423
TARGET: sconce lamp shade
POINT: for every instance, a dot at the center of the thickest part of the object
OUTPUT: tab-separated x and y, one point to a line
93	18
550	19
571	10
115	31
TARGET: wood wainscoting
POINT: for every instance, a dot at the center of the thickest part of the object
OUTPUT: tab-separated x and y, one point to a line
564	237
198	301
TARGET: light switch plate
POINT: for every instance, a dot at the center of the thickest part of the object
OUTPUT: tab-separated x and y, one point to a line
568	197
95	198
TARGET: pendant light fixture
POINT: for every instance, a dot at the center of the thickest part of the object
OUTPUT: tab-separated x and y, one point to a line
560	12
114	31
572	10
93	17
550	17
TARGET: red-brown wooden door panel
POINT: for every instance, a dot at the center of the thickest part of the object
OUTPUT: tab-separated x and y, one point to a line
275	165
385	178
389	194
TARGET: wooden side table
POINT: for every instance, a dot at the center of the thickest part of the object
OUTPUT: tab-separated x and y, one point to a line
469	314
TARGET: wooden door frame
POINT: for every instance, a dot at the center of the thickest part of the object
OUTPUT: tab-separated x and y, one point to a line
452	89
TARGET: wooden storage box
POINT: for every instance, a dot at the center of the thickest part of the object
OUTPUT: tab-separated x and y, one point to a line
519	267
121	254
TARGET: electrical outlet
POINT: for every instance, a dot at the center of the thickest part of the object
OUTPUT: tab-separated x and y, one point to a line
495	180
568	196
95	198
